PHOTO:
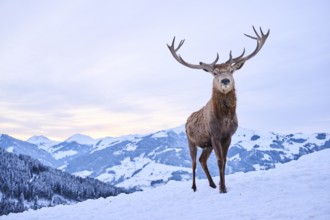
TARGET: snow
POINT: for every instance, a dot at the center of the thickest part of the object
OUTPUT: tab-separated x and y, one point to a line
125	169
42	142
109	141
266	157
160	134
235	157
179	130
152	172
317	141
84	173
243	138
82	139
294	190
61	154
63	167
10	149
131	147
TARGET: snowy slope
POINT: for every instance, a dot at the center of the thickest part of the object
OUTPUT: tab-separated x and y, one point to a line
295	190
42	142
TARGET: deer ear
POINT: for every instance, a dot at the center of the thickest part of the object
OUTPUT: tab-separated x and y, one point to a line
238	65
205	69
213	73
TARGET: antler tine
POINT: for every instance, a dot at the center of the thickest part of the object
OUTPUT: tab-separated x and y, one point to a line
266	33
255	38
260	42
173	50
256	31
262	33
240	56
230	58
180	44
251	37
215	61
234	60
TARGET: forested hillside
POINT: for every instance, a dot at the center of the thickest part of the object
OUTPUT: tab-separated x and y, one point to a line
26	183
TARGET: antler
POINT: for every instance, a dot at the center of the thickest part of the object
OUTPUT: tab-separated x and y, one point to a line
260	42
232	61
204	66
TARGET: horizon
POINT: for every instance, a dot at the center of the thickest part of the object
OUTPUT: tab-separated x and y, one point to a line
152	132
103	69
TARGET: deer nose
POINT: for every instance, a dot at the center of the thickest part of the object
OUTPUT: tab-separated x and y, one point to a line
225	81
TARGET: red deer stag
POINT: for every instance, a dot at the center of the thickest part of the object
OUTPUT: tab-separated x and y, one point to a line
212	127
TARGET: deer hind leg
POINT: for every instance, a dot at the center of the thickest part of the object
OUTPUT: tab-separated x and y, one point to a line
193	155
203	160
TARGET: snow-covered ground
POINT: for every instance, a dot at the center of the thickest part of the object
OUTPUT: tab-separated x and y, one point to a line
295	190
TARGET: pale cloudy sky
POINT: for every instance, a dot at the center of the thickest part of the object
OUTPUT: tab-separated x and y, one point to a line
102	68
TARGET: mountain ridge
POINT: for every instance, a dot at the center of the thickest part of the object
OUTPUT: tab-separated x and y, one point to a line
146	160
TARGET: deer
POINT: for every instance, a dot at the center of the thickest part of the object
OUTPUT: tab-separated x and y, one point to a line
212	127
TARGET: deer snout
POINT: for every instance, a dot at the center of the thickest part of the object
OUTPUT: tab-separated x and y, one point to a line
225	81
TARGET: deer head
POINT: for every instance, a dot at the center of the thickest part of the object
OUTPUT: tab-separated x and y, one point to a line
223	73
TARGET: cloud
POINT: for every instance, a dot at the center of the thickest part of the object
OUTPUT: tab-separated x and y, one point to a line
103	68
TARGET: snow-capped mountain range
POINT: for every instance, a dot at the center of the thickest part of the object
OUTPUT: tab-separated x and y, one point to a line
156	158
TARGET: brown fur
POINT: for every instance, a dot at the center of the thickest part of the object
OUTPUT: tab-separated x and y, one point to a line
211	128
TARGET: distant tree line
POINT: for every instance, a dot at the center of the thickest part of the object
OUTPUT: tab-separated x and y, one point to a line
26	183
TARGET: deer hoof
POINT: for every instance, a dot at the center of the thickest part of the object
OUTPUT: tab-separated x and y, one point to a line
212	185
223	190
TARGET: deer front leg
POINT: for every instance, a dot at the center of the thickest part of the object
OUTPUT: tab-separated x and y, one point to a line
194	175
193	154
218	150
222	165
225	142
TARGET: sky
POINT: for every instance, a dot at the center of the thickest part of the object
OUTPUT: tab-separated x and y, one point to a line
102	68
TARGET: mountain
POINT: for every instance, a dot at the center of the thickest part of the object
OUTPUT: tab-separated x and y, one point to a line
16	146
73	147
143	160
156	158
42	142
162	156
81	139
26	183
295	190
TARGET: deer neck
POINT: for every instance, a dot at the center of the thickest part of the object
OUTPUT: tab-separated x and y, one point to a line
224	105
